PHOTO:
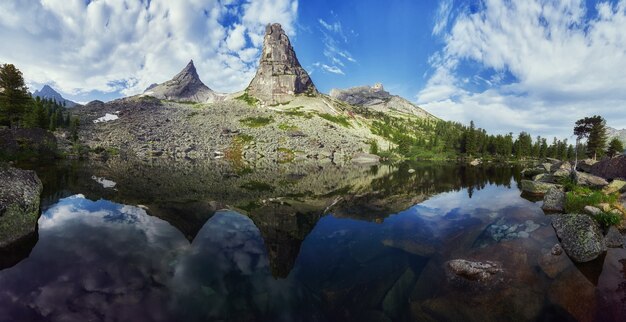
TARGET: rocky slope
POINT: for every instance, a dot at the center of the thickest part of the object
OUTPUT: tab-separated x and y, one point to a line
49	93
20	192
615	133
279	76
376	98
279	118
186	86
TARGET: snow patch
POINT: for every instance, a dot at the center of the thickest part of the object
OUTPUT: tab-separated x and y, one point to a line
107	117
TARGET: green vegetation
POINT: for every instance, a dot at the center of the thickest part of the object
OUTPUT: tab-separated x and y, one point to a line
244	138
373	147
256	121
338	119
252	101
615	147
287	127
257	186
14	98
296	111
608	219
578	197
286	155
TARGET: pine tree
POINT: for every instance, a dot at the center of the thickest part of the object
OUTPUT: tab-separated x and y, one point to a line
594	130
615	147
14	96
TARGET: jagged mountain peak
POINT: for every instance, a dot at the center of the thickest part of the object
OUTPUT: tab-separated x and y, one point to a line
50	93
185	86
279	76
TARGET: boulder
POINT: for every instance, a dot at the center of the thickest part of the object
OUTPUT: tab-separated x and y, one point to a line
554	200
565	165
532	172
536	187
475	162
580	236
615	186
610	168
20	192
589	180
585	165
614	238
592	211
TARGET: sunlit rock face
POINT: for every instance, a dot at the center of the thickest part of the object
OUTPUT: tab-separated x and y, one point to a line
280	76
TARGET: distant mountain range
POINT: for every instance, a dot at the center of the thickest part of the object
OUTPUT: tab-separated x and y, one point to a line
49	93
620	134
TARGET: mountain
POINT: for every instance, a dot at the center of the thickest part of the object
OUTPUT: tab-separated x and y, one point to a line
186	86
279	76
376	98
612	133
49	93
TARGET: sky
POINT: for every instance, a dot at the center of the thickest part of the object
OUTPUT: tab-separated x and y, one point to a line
510	66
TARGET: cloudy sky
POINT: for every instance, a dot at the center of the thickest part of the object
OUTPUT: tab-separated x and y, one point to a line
533	65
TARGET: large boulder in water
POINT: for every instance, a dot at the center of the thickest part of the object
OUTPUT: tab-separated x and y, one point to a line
536	188
580	236
20	193
610	168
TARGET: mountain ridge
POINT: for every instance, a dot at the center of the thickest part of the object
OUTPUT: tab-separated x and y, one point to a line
48	92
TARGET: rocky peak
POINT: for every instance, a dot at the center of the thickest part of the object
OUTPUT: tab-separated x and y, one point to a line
279	76
48	92
185	86
376	98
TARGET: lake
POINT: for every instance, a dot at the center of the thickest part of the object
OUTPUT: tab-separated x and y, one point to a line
185	241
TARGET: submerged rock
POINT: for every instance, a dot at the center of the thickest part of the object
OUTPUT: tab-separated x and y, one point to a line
20	192
614	238
580	236
473	271
554	200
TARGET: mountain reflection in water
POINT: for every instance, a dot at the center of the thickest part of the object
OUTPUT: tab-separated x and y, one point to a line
194	242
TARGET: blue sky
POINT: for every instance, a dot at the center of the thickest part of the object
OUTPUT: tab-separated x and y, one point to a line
532	65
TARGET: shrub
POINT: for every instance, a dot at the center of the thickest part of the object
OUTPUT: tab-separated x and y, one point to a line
606	219
579	197
287	127
257	121
252	101
341	120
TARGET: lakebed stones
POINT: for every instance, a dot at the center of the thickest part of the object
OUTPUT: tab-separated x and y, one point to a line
613	238
20	192
580	237
554	200
279	76
465	273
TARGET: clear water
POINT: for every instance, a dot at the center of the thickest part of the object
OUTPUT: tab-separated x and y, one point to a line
158	242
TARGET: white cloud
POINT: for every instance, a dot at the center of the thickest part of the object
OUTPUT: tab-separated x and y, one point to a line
115	46
565	65
334	40
442	16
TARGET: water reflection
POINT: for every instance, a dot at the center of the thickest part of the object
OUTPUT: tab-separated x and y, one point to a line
205	243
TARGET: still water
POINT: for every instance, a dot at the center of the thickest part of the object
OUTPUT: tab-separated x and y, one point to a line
122	241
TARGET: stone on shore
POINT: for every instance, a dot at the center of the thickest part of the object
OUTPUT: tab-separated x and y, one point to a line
554	200
20	192
614	238
536	187
589	180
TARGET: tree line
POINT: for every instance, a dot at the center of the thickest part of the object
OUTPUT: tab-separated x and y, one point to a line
18	109
427	138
